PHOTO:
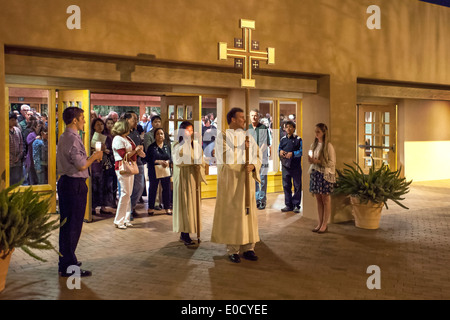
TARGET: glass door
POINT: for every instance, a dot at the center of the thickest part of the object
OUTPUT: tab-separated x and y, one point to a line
176	109
377	135
31	142
274	113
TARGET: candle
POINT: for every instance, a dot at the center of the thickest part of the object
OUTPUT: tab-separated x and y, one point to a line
310	153
98	146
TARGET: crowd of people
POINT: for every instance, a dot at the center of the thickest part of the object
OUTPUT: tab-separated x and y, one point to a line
28	147
117	139
146	142
125	137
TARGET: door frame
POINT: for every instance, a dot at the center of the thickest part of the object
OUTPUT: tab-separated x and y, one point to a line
360	116
276	124
85	96
51	186
274	178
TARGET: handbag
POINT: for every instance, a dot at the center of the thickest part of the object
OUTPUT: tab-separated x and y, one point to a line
161	172
127	166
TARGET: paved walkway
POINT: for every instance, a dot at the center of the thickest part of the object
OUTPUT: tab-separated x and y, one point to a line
411	249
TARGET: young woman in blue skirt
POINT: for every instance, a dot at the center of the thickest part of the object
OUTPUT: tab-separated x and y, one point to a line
322	158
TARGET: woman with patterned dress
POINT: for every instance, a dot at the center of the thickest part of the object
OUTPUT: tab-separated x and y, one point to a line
322	158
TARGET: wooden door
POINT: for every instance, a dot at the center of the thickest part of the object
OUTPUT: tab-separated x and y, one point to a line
48	182
80	99
377	136
176	109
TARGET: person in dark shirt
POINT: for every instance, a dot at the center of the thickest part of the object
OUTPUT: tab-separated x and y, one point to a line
290	151
158	153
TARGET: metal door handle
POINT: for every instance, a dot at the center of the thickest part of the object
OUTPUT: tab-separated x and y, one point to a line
376	147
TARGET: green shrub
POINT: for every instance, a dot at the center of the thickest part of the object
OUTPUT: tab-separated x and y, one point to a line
379	186
25	221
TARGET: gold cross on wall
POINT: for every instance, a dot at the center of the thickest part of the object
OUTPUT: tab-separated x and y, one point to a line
248	52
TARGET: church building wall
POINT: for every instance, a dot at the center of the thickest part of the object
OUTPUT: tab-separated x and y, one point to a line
331	40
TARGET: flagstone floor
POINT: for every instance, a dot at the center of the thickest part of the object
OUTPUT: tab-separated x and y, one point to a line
147	262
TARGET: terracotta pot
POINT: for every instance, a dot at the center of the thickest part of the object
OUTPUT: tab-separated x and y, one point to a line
368	215
4	266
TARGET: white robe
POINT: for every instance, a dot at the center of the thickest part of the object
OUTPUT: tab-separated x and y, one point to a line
231	224
187	177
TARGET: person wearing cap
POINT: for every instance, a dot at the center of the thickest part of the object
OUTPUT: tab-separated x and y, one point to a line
16	151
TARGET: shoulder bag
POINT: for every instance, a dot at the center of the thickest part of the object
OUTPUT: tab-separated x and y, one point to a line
128	166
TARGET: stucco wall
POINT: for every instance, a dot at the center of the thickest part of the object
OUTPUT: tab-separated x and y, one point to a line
325	36
424	139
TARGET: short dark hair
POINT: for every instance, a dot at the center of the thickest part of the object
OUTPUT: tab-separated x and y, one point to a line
71	113
156	130
232	113
290	123
94	122
12	115
155	117
185	124
128	115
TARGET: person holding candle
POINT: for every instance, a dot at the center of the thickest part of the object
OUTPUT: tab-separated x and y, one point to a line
322	158
72	164
102	193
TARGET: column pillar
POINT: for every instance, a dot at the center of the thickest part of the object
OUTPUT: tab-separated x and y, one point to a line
316	109
4	119
343	131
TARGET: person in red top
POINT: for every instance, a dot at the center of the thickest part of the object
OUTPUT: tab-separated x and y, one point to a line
124	146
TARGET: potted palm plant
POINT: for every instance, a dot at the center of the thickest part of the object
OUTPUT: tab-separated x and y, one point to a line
369	193
25	223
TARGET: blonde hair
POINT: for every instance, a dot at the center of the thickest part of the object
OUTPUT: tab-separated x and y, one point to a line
120	128
323	154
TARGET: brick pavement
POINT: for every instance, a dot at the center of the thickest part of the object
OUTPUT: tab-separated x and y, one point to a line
148	262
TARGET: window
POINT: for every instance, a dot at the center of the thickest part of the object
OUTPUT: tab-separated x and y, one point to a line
28	136
212	110
275	113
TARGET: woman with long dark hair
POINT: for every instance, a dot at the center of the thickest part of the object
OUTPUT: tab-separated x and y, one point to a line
102	192
188	172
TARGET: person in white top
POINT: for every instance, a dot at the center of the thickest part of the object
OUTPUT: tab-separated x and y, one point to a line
322	158
124	147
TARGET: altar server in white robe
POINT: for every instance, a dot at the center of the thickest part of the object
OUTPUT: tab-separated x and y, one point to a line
232	224
188	172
